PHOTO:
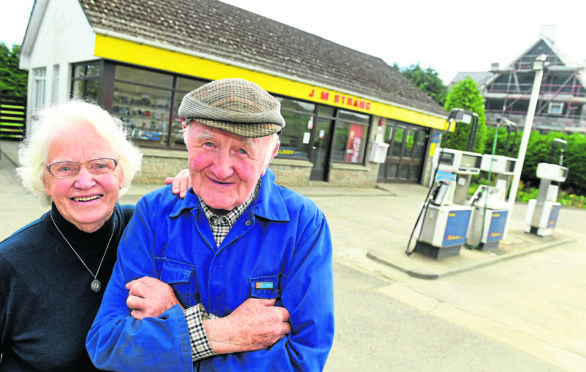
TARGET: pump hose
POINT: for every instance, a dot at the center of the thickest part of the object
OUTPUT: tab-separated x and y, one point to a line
409	251
423	209
486	196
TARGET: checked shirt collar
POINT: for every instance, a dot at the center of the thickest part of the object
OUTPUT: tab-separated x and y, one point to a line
221	225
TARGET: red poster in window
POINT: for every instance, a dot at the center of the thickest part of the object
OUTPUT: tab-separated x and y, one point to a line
354	143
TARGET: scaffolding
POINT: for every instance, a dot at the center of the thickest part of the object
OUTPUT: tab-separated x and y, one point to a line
562	97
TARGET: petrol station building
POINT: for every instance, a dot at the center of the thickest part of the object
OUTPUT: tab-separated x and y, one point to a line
352	120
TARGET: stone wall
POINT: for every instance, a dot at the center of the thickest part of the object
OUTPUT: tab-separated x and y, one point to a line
159	164
290	172
351	175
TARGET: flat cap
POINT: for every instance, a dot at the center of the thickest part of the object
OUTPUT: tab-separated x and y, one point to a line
237	106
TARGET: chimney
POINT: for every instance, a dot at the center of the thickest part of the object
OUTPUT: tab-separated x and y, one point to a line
494	67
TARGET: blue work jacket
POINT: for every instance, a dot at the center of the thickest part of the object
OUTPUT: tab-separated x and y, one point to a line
279	248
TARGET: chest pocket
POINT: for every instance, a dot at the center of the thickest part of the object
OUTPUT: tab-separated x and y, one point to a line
181	277
268	286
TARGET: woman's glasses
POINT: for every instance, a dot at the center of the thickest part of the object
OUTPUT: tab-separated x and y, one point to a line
66	169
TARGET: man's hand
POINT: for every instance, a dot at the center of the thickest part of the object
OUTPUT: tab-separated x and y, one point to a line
254	325
181	183
149	297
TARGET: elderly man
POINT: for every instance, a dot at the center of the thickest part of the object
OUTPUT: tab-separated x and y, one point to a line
248	261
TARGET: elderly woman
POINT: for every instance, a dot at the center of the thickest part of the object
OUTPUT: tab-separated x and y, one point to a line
53	271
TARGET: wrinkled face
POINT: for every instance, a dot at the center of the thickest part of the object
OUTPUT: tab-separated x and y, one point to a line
224	167
86	200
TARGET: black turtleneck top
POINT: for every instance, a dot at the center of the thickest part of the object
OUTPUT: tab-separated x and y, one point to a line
46	304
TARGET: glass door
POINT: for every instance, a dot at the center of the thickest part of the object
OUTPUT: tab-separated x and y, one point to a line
405	156
320	150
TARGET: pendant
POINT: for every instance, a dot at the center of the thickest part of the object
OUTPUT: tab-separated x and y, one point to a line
96	285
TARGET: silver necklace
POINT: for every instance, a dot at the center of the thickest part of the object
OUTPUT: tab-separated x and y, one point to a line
96	285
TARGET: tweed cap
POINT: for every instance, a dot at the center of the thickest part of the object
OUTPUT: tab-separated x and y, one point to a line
235	105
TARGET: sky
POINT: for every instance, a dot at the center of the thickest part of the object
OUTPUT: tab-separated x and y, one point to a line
449	36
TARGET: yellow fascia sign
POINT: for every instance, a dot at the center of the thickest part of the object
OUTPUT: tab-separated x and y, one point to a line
117	49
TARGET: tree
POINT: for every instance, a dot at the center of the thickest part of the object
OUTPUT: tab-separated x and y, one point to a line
13	81
465	95
538	151
575	160
503	138
427	80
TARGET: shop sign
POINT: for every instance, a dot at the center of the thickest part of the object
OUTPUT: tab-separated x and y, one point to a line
339	99
291	152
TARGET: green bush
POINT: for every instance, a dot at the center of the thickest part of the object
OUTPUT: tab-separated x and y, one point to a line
538	151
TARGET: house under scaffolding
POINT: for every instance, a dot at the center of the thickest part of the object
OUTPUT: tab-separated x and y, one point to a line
562	99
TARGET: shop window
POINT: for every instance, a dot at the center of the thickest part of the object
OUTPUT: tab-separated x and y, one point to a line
144	111
143	77
404	171
182	87
147	102
388	134
86	82
326	111
86	70
415	170
393	167
419	149
398	142
296	136
350	135
409	143
352	116
185	85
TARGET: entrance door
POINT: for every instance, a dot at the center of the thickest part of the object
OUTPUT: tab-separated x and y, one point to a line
405	156
319	150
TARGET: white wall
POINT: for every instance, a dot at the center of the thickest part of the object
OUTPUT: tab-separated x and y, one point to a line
64	37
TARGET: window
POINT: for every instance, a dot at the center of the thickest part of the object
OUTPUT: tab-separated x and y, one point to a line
55	88
39	82
398	142
419	150
182	87
350	137
147	102
409	142
556	108
142	100
144	111
143	77
86	81
295	139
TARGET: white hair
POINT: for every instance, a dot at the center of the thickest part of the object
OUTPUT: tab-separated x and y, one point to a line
272	144
33	151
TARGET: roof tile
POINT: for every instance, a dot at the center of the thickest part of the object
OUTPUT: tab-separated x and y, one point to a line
226	31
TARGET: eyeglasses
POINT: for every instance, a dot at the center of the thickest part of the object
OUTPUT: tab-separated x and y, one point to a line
66	169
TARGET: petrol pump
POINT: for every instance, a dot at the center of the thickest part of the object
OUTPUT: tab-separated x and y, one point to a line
543	212
490	204
444	218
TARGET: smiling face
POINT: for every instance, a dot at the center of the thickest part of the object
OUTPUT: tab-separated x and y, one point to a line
85	200
225	167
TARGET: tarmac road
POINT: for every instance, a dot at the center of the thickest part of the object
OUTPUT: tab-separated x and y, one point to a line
521	314
533	302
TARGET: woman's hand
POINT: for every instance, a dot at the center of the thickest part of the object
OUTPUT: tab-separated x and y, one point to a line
181	183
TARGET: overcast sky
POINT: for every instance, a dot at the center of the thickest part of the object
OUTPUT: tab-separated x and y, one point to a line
446	35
